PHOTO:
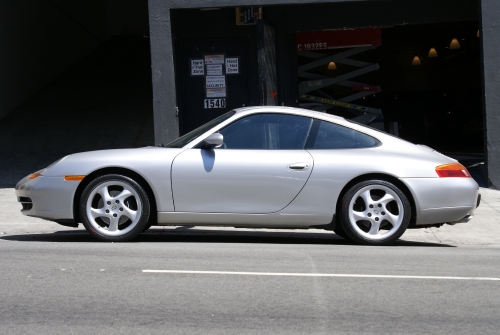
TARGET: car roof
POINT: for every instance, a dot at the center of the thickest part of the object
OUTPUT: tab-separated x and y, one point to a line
380	135
285	109
308	113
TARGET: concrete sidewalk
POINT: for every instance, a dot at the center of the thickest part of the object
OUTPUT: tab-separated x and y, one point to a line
482	230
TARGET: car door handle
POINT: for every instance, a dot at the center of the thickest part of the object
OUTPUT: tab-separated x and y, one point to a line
298	166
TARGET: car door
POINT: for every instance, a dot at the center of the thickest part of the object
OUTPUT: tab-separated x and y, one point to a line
260	168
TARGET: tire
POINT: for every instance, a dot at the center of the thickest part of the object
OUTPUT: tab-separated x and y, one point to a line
375	212
146	227
114	208
339	230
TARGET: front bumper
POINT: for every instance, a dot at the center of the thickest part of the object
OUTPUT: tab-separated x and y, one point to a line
49	198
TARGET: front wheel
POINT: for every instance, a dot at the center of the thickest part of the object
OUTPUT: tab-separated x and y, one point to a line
114	208
339	230
375	212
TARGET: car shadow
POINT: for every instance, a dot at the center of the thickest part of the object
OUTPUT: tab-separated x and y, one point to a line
189	235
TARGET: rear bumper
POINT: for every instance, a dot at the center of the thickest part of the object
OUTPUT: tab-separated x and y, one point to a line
462	220
468	216
450	215
443	200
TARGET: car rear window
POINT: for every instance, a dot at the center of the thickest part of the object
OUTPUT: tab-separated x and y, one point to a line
328	135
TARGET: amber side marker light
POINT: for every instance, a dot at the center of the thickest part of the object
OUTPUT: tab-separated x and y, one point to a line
73	178
452	170
34	175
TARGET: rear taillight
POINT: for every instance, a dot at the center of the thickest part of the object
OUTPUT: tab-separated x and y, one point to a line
452	170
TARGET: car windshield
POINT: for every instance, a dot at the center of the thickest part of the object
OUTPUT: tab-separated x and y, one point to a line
185	139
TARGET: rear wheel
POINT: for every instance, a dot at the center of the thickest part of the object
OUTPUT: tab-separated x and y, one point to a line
114	208
375	212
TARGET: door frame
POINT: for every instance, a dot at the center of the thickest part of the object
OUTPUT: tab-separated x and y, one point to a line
181	82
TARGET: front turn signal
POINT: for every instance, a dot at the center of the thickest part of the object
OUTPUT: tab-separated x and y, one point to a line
452	170
34	175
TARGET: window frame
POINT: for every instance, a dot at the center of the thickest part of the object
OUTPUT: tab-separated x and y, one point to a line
199	145
195	134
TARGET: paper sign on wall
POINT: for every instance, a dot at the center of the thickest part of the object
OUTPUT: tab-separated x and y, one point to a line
232	66
197	67
216	92
214	70
215	81
214	59
215	86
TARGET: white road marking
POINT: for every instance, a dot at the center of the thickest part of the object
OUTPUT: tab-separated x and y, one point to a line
341	275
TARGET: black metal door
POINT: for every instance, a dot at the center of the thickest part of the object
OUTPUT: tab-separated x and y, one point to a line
214	79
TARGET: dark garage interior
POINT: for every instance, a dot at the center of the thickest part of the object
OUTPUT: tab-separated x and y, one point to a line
77	77
436	102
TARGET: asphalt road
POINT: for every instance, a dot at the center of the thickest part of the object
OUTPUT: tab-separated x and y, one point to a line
67	283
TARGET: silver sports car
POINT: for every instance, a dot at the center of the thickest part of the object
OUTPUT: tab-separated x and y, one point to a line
266	167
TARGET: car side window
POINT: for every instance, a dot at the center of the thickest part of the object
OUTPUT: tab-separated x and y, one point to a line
271	131
328	135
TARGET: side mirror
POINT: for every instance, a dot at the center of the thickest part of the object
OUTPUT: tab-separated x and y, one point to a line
213	141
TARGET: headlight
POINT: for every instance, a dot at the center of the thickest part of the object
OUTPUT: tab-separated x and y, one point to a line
42	171
51	165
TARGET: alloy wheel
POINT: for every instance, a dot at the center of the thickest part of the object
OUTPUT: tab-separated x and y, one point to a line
376	212
113	208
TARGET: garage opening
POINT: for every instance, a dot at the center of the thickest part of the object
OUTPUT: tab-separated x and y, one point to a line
421	82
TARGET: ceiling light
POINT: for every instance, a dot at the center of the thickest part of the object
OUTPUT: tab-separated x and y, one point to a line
433	53
416	61
332	66
454	44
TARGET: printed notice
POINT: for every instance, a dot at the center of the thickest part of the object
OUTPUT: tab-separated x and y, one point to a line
197	67
216	92
214	59
215	81
232	66
214	70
